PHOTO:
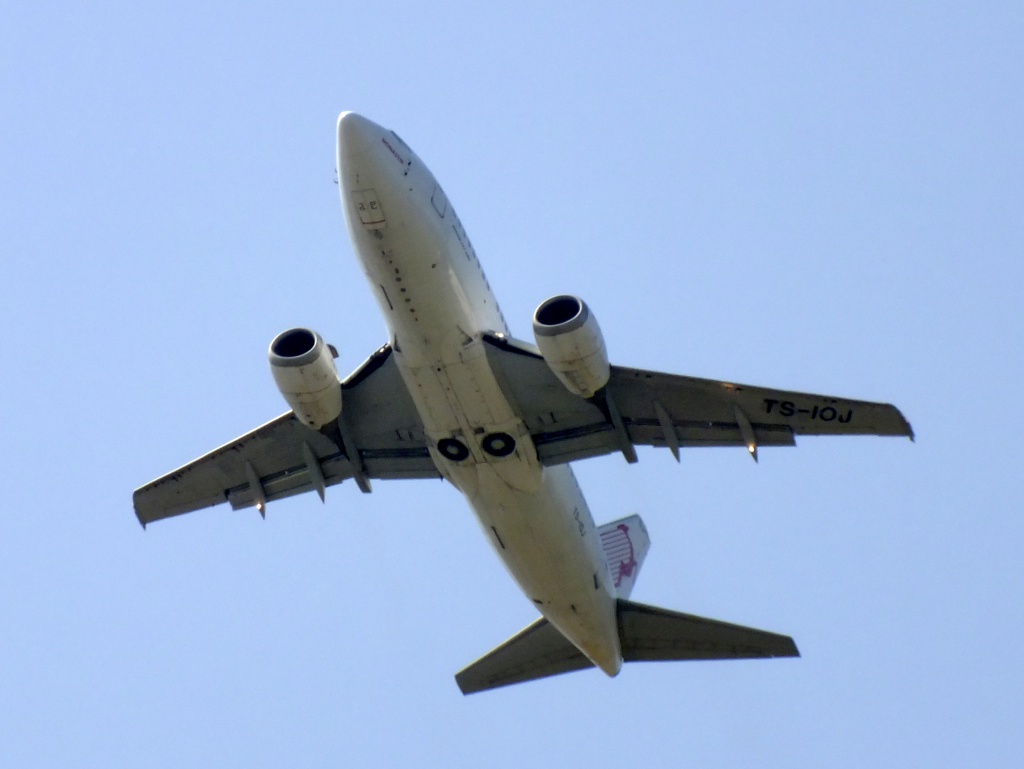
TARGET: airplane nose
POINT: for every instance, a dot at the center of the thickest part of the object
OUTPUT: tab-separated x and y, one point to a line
368	151
366	172
356	135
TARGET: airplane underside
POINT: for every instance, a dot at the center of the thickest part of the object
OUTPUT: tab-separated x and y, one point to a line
453	395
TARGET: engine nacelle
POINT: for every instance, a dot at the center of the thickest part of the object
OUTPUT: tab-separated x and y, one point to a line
303	368
572	345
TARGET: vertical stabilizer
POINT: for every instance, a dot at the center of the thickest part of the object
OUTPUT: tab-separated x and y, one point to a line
625	544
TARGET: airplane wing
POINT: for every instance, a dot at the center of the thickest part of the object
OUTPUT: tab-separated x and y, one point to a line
647	408
381	437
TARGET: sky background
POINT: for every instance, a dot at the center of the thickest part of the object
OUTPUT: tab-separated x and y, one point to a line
820	197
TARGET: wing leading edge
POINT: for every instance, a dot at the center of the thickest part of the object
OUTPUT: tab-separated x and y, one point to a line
383	438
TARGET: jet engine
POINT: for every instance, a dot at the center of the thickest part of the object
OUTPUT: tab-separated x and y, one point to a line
572	345
303	368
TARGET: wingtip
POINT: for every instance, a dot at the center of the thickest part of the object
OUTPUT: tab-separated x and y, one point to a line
466	691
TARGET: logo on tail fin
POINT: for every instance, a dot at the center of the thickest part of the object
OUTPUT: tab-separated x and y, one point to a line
625	544
619	546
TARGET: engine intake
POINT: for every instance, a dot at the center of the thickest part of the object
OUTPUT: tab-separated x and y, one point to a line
303	368
572	345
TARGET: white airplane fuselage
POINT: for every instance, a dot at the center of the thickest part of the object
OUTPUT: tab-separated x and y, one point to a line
437	305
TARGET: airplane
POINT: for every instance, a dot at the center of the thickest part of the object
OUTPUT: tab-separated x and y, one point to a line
454	395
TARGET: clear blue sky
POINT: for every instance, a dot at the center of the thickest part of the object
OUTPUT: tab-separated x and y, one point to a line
825	197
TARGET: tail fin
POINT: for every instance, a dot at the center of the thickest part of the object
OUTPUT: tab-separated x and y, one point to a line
646	633
625	544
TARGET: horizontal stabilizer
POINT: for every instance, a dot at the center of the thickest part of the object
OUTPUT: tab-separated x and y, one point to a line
646	633
536	652
650	634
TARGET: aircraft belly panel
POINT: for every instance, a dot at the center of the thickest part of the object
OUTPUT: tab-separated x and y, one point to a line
438	305
549	544
431	287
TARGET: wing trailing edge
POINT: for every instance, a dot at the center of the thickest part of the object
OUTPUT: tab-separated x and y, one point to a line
647	634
